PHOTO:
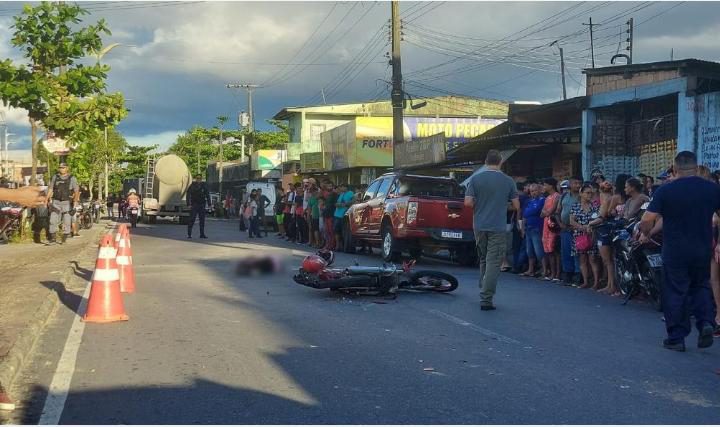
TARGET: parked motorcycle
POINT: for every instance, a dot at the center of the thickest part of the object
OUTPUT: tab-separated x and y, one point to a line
133	212
316	272
84	217
95	211
10	221
639	267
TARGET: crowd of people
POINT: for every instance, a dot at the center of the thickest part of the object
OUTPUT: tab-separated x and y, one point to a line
306	212
561	232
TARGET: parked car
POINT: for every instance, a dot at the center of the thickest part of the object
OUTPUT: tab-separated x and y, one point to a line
414	213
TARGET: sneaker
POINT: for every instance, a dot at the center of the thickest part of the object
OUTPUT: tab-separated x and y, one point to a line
202	236
488	307
5	403
705	339
676	346
189	236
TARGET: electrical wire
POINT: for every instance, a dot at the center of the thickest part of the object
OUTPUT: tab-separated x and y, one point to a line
297	52
292	71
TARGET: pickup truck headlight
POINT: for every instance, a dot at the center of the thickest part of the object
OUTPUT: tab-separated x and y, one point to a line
411	216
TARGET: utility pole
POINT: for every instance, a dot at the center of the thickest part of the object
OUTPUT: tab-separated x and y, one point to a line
592	45
397	93
221	120
562	67
251	124
107	164
562	72
630	40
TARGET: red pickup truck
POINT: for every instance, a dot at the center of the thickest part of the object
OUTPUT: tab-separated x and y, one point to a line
420	214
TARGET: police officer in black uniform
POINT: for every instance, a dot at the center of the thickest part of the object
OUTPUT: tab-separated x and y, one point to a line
198	196
63	193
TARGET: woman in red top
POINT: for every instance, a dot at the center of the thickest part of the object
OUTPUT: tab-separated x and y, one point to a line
551	231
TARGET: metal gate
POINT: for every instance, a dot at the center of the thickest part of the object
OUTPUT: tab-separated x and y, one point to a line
646	146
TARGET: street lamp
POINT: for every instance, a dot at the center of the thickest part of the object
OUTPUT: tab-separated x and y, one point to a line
7	154
99	56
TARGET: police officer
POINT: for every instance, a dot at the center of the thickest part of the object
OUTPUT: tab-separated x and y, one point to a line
198	196
63	193
686	206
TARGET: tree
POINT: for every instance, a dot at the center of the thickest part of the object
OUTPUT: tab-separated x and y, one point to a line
196	146
58	93
87	161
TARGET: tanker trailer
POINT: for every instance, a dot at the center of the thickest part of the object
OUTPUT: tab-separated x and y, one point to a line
167	181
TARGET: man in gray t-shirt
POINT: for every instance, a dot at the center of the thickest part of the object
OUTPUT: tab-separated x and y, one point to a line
488	193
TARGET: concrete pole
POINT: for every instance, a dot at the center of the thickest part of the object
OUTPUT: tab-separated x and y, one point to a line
107	165
397	91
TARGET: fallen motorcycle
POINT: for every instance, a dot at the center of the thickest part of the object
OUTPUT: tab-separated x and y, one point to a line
316	272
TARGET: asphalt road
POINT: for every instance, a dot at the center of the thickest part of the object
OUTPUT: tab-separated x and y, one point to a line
205	346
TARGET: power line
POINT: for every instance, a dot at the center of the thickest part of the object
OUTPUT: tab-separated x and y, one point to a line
317	28
415	18
506	40
289	74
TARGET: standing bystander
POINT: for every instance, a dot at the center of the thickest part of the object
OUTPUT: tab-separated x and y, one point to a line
488	193
198	196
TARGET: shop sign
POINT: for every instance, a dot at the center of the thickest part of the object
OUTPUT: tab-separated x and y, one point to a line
421	151
56	145
267	159
457	130
709	130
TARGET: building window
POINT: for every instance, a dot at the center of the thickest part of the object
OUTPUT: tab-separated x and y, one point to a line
315	131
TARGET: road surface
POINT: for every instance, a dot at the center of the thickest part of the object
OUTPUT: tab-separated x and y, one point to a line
205	346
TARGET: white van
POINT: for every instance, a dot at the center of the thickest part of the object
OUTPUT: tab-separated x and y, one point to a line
268	190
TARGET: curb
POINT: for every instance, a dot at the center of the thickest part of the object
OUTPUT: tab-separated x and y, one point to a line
11	364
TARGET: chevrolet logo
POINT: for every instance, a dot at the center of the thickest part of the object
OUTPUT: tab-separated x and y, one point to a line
453	215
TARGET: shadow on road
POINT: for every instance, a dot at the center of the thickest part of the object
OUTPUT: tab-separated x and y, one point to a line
69	299
202	402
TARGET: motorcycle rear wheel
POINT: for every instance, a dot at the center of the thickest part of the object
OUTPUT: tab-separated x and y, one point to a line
87	222
621	266
435	281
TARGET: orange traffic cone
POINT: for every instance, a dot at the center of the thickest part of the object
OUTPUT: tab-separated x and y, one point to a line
105	303
124	262
122	229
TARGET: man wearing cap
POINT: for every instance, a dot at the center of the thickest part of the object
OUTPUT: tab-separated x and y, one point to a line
570	196
63	193
198	196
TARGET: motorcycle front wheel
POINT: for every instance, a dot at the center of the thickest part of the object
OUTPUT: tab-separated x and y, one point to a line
435	281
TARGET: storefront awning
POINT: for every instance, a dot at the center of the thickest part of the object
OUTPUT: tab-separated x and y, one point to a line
474	152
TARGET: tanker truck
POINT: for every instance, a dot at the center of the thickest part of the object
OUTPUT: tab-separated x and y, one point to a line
166	182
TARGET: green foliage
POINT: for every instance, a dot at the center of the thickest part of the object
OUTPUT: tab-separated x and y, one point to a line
87	161
62	95
199	138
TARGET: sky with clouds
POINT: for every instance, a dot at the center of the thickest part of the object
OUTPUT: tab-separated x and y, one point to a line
176	57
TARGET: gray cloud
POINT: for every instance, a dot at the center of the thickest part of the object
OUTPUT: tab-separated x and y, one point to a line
185	54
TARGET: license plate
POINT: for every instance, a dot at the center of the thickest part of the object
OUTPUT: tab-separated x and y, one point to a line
655	260
451	235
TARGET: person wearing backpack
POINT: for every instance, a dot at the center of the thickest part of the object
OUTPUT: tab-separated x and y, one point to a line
198	196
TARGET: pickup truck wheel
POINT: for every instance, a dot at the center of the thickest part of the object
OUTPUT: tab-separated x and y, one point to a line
349	245
416	253
389	249
152	219
467	258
